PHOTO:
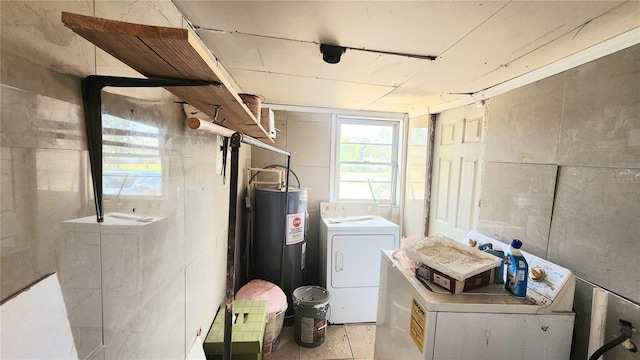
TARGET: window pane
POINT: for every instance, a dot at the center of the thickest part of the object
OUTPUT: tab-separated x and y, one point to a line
366	153
114	122
132	182
131	160
367	134
363	172
366	159
365	191
382	191
355	191
127	175
109	149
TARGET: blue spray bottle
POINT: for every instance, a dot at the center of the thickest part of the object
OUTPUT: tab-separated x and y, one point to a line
517	270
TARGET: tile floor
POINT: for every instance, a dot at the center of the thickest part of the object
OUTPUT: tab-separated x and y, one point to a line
350	341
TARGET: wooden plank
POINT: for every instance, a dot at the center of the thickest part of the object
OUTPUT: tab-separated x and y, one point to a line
163	52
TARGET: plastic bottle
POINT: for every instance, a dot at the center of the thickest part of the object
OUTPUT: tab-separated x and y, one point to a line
517	270
498	272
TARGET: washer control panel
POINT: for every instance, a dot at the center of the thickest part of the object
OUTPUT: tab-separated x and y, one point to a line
545	279
343	210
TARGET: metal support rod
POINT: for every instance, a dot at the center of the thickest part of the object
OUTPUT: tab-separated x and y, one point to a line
92	87
236	139
198	124
253	142
286	211
231	244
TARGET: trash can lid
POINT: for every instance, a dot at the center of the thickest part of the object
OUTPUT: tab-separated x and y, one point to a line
310	295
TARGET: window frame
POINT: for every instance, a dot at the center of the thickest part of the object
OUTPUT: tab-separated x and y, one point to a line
396	147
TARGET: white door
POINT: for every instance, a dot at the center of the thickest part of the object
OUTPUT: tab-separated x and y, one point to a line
457	172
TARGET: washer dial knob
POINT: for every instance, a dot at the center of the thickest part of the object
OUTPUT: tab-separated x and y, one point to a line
537	274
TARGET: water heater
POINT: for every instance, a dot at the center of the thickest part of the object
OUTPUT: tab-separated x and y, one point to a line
279	238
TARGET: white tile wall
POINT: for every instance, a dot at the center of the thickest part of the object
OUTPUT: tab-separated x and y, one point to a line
516	202
147	293
585	122
524	126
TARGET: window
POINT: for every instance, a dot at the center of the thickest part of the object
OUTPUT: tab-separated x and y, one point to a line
366	158
131	158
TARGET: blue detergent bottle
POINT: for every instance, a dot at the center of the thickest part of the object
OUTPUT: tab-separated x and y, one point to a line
517	270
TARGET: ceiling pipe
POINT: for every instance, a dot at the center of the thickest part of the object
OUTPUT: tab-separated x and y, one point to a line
331	53
330	47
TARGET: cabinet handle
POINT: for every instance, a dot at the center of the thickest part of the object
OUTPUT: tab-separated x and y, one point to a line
338	261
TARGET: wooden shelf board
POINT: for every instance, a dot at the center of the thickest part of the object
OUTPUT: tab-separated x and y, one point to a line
171	53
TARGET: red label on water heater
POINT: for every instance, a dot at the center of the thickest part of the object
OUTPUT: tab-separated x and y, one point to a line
295	228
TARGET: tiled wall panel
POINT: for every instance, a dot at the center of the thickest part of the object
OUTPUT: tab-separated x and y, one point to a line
600	125
80	275
146	296
584	121
516	202
524	124
596	217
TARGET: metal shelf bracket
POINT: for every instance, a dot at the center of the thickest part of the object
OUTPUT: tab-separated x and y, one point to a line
92	86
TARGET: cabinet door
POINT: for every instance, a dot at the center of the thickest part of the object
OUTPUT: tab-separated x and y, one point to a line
355	259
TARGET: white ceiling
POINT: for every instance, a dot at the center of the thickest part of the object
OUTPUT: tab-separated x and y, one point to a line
271	48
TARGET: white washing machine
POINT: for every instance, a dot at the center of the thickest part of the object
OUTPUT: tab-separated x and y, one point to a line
352	237
415	322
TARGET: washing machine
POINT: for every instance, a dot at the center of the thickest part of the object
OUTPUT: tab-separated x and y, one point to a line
352	237
424	321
